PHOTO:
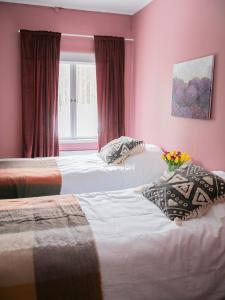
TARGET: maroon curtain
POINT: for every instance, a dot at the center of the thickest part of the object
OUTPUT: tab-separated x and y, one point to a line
110	55
40	52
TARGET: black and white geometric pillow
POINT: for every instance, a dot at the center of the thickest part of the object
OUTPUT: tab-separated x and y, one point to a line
119	149
188	193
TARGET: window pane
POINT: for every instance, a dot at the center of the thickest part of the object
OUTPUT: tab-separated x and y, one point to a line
64	101
86	99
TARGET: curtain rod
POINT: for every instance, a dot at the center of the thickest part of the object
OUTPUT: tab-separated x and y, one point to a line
86	36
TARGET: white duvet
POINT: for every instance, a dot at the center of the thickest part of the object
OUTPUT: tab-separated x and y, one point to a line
89	173
145	256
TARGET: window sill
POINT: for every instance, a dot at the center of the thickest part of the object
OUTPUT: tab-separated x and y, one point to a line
78	144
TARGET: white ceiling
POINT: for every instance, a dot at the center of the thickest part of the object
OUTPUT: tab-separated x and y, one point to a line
128	7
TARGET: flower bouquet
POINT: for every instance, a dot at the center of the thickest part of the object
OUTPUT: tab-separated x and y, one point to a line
175	159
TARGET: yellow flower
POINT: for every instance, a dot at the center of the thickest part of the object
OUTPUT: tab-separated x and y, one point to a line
168	156
187	157
163	157
183	156
174	153
176	160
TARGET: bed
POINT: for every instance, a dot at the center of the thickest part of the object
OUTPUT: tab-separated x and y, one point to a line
142	254
80	174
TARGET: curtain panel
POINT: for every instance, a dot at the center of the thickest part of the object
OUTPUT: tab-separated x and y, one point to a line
40	52
110	57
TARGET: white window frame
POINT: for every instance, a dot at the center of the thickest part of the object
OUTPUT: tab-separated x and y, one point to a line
73	59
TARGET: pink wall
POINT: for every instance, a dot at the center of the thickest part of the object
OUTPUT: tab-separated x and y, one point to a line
167	32
14	17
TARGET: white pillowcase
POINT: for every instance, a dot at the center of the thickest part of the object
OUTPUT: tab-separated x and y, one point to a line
148	163
152	154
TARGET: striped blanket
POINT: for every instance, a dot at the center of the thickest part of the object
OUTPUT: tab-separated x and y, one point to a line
47	251
29	178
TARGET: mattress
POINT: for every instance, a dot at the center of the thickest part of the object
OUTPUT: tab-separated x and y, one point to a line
145	256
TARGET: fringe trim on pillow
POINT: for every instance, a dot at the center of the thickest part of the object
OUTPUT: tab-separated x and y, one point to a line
200	211
137	149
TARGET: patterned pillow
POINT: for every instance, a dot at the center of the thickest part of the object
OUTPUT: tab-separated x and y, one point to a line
186	193
119	149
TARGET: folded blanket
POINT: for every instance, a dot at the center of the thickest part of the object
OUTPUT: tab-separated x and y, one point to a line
47	251
29	178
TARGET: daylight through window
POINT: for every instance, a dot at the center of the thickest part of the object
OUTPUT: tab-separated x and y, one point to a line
77	101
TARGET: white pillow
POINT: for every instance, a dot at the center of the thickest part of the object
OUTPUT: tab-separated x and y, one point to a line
151	154
148	164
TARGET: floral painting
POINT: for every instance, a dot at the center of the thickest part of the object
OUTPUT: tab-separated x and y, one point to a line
192	88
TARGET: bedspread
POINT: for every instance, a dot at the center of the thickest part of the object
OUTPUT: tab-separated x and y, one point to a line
29	178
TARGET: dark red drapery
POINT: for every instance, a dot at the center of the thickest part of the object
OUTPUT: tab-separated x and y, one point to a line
110	56
40	52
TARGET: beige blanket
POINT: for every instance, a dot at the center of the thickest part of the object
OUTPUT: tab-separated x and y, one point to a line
47	251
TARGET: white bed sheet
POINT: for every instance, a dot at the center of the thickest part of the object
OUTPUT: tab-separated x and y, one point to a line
145	256
89	173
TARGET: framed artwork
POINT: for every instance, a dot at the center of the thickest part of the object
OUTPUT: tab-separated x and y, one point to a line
192	88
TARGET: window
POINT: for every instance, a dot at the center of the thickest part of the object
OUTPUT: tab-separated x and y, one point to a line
77	101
